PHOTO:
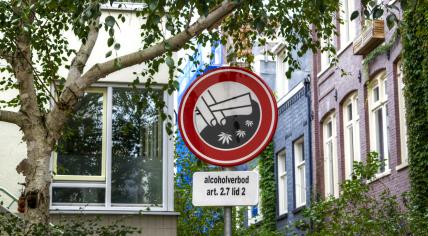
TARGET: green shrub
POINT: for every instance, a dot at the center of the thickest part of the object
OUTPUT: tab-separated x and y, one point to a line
15	226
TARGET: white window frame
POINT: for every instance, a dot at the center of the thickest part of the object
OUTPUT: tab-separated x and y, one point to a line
347	27
101	177
167	170
282	183
281	82
299	172
351	126
381	104
331	171
325	56
402	117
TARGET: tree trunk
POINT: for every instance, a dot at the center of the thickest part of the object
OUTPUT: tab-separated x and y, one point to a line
36	170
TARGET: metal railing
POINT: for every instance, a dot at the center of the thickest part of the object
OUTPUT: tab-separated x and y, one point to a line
13	198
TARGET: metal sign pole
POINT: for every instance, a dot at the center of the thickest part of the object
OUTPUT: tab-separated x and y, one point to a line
227	215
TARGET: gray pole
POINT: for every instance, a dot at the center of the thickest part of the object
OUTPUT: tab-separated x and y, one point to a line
227	221
228	216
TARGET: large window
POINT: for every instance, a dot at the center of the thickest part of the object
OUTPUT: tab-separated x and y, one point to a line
281	82
378	108
326	57
111	153
402	110
351	133
347	27
282	183
300	179
331	176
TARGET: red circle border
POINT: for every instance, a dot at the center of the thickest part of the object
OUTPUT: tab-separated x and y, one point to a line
253	147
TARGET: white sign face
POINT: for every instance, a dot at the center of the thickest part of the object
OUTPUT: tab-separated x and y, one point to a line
226	188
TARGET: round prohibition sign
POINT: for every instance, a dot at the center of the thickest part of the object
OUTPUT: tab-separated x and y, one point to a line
227	116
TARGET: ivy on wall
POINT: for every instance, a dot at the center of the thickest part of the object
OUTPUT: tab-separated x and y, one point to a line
415	67
267	188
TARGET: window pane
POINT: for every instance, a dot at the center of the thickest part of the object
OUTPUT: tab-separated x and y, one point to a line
80	148
136	149
351	143
379	136
329	129
376	94
349	110
78	195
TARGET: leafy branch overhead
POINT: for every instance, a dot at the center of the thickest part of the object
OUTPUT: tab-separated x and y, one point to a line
372	10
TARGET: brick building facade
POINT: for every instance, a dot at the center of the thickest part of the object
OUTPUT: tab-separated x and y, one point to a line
360	112
292	141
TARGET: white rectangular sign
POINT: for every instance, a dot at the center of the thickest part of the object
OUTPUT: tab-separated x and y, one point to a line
226	188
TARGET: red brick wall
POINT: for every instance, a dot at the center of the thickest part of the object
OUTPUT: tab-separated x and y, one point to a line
330	89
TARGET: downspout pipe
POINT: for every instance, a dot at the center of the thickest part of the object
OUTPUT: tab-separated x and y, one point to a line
307	83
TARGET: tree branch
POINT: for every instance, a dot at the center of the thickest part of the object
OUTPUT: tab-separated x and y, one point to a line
75	87
16	118
82	56
176	42
56	117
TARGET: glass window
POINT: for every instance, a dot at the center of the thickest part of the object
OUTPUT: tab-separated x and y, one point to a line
81	150
133	150
347	27
378	119
325	55
351	134
402	115
331	175
281	81
136	149
300	178
282	183
78	196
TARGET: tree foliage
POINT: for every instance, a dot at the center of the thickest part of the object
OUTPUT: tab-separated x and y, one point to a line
415	67
360	211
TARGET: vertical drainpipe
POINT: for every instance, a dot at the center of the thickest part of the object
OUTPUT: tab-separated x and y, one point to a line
309	109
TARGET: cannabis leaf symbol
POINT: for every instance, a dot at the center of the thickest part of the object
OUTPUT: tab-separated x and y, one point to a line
224	138
249	123
240	133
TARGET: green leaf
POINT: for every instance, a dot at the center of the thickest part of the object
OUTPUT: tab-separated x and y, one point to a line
110	41
390	20
117	46
153	4
377	13
354	15
108	54
169	61
110	21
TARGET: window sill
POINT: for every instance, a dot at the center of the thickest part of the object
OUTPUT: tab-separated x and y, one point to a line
299	208
114	212
282	216
347	45
324	70
380	176
401	166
